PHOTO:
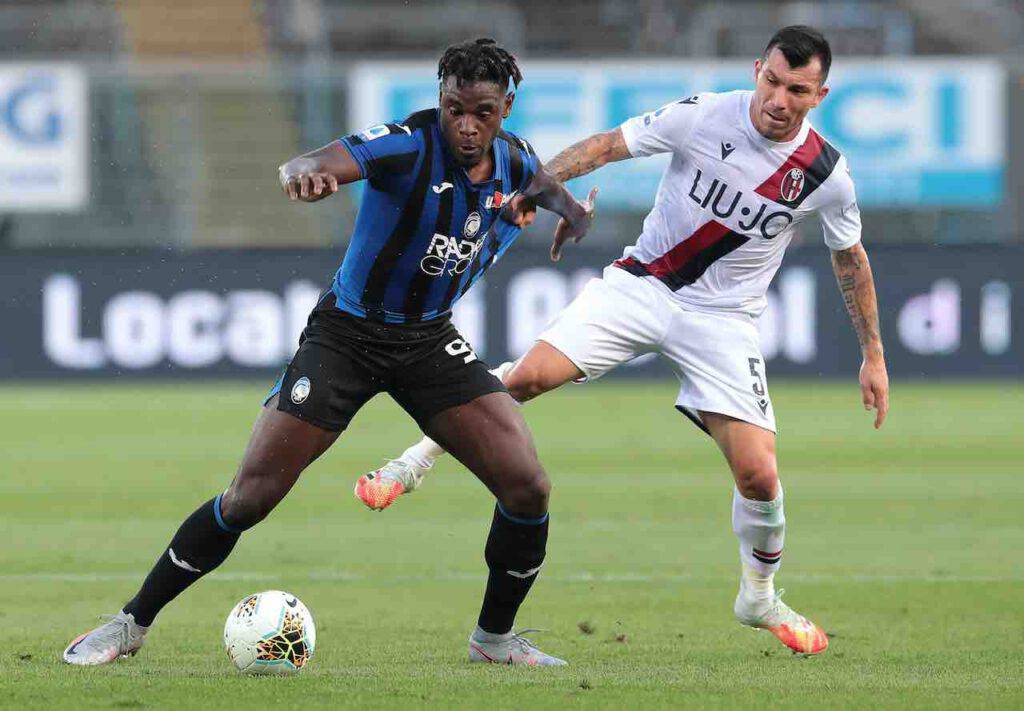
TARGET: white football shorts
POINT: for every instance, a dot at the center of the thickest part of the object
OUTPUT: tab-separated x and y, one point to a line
717	357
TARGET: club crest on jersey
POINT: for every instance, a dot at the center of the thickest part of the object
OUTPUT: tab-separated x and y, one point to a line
792	185
472	226
300	391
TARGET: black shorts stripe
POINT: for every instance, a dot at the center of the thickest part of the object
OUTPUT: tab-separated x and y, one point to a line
692	417
398	241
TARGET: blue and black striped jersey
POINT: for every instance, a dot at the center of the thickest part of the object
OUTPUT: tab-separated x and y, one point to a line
423	234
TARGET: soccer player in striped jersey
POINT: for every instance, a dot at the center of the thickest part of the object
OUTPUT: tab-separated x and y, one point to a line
746	166
430	224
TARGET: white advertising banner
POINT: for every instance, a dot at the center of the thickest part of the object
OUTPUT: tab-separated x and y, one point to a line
43	139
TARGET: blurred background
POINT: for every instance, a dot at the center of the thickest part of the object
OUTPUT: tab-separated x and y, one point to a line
142	230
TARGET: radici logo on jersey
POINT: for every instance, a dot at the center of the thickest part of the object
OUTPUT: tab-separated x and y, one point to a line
726	203
453	254
425	233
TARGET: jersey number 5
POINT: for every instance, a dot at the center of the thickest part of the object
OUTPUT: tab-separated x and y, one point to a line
759	384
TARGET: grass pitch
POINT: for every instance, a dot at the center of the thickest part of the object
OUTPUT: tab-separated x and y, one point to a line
905	544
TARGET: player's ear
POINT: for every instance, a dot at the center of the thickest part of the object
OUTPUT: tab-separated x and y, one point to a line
822	93
757	68
509	100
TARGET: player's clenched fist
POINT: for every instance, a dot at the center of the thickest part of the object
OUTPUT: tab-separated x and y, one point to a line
306	185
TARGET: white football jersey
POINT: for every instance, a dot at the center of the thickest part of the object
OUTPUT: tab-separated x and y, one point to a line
729	199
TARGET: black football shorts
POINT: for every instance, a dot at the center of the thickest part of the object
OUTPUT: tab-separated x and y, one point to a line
344	360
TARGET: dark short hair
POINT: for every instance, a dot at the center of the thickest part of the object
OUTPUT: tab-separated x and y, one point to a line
799	44
479	60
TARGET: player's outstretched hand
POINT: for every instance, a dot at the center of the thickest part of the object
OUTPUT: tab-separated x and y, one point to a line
308	187
874	388
575	230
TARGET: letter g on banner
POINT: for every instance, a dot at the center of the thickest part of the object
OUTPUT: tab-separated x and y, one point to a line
30	112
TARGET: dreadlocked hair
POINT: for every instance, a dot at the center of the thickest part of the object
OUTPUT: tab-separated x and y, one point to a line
479	60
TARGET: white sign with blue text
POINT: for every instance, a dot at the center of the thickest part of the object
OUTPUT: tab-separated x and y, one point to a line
917	132
43	141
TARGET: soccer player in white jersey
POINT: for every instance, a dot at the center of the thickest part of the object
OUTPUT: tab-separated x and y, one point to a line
746	167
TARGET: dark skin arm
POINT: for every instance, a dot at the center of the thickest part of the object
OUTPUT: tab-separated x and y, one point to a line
318	174
857	285
547	192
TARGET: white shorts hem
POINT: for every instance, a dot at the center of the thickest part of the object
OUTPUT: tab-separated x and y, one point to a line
695	408
587	377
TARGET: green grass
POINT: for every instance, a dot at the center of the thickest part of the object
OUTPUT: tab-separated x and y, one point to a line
905	544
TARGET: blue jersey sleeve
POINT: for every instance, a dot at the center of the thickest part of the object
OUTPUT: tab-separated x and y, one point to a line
386	149
531	163
523	161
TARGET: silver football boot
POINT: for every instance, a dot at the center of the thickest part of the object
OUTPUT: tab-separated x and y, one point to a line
512	648
120	637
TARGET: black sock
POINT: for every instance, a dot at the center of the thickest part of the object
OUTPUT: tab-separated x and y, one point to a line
201	544
514	554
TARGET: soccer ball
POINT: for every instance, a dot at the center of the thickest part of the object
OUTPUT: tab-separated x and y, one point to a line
270	632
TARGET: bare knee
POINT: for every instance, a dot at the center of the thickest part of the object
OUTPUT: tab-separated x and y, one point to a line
757	476
524	486
251	497
527	495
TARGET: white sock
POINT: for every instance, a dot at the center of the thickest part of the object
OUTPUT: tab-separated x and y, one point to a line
502	370
761	529
424	453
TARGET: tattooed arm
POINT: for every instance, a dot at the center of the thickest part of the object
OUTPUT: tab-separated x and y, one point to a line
853	272
578	159
588	155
